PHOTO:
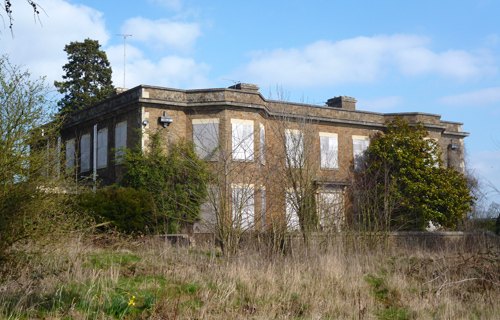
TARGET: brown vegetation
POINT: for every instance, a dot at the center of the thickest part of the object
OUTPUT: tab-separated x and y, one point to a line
150	279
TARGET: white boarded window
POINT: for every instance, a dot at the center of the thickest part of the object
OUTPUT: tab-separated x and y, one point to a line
262	144
242	139
294	148
292	217
120	141
208	209
243	206
359	146
102	148
329	150
263	208
206	137
85	153
331	209
70	153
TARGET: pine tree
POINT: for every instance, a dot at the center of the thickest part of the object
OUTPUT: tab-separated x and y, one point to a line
88	76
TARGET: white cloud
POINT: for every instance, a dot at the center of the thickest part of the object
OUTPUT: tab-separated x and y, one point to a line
40	47
475	98
379	104
178	35
170	71
360	60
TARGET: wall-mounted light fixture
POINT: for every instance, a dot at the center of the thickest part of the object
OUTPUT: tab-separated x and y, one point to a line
166	120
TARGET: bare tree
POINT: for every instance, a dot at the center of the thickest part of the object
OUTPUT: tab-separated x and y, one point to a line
304	171
7	7
230	147
277	174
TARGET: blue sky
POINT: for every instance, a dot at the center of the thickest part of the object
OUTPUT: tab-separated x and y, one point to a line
393	56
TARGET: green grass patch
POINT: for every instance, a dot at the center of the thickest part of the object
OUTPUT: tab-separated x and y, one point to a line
104	261
388	299
379	288
393	314
189	288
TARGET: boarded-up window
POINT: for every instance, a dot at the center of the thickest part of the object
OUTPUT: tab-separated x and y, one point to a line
242	139
294	148
359	146
292	217
102	148
70	153
329	150
262	144
331	209
263	208
85	153
120	141
206	137
243	206
208	209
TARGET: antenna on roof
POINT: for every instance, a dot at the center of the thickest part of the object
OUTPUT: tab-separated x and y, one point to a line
124	54
235	82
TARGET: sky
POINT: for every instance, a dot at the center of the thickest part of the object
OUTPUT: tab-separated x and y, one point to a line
439	57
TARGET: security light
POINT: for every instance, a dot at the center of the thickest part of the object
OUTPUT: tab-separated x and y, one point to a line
166	121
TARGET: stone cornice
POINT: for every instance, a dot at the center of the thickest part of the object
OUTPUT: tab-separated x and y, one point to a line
250	99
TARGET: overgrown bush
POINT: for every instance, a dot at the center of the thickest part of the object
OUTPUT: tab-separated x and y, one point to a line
127	209
174	176
33	202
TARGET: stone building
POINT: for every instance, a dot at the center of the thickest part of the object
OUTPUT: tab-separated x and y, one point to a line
250	138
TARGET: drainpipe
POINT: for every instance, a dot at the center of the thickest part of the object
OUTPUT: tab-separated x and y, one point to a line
95	158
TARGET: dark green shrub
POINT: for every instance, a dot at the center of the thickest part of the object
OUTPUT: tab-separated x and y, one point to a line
497	226
484	224
130	210
175	177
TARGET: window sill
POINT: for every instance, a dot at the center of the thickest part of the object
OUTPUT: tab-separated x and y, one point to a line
243	161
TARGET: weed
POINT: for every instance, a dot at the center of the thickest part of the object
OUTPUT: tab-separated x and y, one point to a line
83	282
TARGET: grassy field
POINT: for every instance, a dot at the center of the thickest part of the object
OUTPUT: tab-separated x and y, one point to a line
149	279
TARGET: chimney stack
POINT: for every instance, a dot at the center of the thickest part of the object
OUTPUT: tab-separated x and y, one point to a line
342	102
245	86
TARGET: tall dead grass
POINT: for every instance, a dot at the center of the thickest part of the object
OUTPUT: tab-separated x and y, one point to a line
149	279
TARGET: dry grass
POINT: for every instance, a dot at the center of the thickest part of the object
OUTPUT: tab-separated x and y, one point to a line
152	280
